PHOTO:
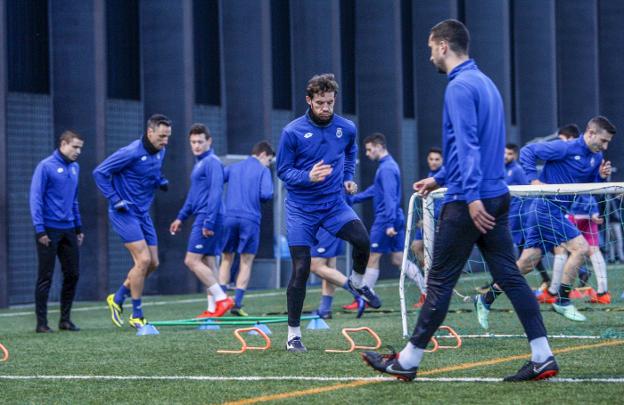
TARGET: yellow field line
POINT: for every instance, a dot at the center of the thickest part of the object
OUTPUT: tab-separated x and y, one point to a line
457	367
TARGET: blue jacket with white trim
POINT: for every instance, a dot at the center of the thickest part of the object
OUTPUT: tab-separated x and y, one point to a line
304	143
54	194
249	184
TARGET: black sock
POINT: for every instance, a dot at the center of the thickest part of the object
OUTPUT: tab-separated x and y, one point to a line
490	296
564	294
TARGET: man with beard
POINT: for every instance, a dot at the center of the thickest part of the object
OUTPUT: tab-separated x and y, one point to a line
316	161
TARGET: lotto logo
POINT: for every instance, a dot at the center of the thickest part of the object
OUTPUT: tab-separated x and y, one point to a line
199	246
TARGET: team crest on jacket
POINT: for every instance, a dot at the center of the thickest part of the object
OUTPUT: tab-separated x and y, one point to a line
339	133
592	162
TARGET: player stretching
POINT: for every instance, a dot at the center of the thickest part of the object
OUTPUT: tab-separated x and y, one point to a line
204	202
128	179
249	184
578	161
316	161
475	210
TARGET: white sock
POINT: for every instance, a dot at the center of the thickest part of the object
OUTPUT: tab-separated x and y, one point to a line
600	268
413	272
410	356
211	303
217	292
294	331
540	349
558	264
357	279
370	277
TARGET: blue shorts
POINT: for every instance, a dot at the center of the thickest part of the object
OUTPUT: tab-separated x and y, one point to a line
210	246
240	235
304	221
382	243
548	226
328	245
133	227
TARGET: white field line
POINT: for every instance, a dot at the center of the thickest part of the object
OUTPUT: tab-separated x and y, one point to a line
616	380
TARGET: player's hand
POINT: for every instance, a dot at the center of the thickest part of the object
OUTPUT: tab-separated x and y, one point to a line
391	232
207	232
605	169
175	227
597	220
80	238
351	187
122	206
483	221
319	172
536	182
425	186
44	240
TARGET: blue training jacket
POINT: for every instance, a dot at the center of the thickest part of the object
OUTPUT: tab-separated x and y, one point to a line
473	136
584	206
386	194
249	184
204	198
304	143
132	174
54	194
564	162
514	174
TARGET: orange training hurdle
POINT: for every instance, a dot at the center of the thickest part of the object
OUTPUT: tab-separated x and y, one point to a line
244	346
353	347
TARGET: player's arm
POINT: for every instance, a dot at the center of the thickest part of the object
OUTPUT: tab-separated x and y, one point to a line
266	185
546	151
520	177
286	170
389	184
349	166
440	177
210	211
76	212
103	174
37	191
367	194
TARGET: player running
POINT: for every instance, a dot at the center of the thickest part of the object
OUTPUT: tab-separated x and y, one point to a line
128	179
204	202
249	184
316	161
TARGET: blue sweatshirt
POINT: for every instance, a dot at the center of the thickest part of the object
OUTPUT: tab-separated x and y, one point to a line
473	136
304	143
249	184
514	174
132	173
386	194
204	198
54	194
584	206
564	162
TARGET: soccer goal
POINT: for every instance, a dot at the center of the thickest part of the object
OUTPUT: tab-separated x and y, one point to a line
597	209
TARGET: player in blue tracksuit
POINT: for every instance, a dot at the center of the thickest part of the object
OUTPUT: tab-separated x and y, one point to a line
56	217
316	161
249	185
128	179
577	161
204	202
475	210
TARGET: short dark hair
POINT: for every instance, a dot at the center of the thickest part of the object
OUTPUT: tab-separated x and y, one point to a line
513	147
323	83
68	135
376	138
263	146
455	33
602	123
198	129
157	120
569	131
434	149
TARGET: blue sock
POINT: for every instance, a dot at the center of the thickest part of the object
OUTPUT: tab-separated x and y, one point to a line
239	294
224	288
121	294
326	304
347	287
137	309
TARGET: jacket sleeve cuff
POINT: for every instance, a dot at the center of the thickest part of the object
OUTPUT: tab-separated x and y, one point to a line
208	225
78	230
40	234
439	178
40	229
348	177
472	196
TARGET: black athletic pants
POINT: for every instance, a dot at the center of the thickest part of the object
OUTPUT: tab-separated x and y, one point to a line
454	239
64	244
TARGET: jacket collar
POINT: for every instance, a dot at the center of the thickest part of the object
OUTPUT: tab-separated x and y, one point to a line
467	65
148	145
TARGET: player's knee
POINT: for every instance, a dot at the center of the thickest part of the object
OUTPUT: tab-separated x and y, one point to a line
301	266
397	260
154	263
191	262
143	262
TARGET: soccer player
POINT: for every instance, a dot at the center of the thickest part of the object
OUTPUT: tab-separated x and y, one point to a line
204	202
475	209
387	233
249	184
578	161
323	264
56	217
316	161
128	179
